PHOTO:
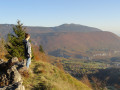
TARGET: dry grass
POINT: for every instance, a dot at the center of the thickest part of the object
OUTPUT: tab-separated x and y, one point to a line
3	51
86	81
44	76
39	55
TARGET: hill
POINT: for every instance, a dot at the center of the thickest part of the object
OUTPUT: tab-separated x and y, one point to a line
49	77
66	44
41	76
71	40
6	28
74	28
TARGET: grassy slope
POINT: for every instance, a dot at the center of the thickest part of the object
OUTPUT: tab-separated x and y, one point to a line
44	76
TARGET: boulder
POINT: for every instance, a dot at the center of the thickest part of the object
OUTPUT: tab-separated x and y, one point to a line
14	60
1	61
10	77
14	74
15	86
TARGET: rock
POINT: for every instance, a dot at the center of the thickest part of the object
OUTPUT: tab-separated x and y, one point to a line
15	86
14	74
14	60
24	62
10	78
20	87
21	66
1	61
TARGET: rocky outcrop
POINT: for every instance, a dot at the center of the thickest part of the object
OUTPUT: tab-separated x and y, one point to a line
11	74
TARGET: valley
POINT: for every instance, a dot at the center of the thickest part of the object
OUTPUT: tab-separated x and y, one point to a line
79	50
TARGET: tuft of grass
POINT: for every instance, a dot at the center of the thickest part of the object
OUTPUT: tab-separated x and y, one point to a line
44	76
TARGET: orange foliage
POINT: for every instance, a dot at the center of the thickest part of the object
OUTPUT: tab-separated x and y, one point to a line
3	51
86	81
38	55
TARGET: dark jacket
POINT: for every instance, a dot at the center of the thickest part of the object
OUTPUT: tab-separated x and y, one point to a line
27	47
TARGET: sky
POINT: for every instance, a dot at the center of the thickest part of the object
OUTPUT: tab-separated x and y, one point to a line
102	14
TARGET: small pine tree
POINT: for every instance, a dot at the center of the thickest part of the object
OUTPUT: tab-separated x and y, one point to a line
41	49
15	45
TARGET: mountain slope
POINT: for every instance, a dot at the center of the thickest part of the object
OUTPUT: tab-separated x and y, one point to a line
40	76
70	39
49	77
77	42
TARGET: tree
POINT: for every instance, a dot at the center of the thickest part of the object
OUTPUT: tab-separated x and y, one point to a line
41	49
15	45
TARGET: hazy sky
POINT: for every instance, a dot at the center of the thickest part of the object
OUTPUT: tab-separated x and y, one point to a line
103	14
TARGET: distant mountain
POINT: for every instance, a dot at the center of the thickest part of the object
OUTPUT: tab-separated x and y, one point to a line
68	44
70	40
6	28
74	28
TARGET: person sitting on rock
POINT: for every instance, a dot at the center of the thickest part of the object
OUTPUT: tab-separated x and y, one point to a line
27	47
